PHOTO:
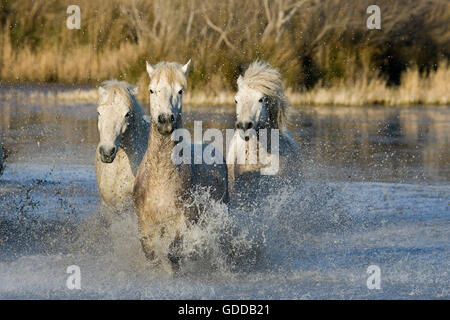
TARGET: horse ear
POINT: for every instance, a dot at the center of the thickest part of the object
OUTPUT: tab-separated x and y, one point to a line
185	68
150	69
240	80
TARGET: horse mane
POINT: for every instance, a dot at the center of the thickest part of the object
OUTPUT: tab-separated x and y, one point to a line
125	91
170	71
260	76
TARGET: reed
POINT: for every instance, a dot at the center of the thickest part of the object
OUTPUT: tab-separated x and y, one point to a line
331	60
431	89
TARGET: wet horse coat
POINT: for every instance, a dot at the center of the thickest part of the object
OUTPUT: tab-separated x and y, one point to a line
162	190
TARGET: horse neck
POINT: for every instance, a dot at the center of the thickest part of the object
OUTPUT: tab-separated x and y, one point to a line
272	122
164	177
159	153
135	137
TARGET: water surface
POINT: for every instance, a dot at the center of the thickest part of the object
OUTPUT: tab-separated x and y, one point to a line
375	190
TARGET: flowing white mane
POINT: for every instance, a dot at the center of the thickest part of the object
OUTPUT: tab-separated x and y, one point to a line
260	76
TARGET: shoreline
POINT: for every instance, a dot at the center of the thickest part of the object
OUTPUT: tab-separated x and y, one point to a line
333	96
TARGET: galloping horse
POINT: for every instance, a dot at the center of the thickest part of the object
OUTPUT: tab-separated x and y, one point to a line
261	104
162	191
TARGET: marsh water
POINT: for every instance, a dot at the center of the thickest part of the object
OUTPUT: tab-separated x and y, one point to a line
374	190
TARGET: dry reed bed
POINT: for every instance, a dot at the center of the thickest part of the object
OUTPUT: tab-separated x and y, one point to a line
433	89
310	41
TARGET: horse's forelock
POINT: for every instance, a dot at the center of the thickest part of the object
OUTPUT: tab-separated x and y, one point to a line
171	72
124	90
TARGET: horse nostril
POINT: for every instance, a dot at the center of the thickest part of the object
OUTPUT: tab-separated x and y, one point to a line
161	118
248	125
107	152
239	125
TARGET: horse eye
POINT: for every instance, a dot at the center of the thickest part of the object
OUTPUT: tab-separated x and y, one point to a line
172	118
98	113
261	100
151	91
127	115
235	101
180	92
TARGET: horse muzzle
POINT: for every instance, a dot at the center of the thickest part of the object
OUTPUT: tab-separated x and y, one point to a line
244	128
165	124
107	155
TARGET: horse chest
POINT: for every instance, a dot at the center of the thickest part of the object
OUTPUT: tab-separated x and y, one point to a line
115	180
162	191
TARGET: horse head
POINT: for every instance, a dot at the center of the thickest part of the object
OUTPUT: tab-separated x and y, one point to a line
167	85
115	113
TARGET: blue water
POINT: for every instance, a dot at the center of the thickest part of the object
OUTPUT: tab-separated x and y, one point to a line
375	191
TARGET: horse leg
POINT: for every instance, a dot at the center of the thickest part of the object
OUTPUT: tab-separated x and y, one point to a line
174	255
231	178
147	247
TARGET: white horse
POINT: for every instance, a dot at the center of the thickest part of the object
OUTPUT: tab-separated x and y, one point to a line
162	191
260	104
123	141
